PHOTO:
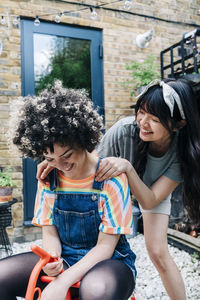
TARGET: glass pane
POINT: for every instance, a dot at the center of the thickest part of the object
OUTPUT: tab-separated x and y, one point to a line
67	59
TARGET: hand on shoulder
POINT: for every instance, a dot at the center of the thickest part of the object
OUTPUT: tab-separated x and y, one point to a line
112	166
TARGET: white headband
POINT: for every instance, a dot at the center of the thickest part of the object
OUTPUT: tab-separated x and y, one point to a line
169	94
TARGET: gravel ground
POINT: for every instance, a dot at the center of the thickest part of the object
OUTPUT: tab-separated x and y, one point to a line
148	284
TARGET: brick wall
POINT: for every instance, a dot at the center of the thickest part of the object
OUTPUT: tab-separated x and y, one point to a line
119	33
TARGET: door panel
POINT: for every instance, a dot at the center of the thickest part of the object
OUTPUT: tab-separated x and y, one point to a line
64	58
54	51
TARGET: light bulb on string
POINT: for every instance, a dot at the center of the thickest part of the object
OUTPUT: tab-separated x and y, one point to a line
93	14
3	20
127	4
58	18
15	22
37	21
1	47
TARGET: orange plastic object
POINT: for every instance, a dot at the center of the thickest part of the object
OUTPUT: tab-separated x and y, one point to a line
45	258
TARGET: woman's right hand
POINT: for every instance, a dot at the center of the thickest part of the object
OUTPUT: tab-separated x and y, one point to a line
110	167
43	169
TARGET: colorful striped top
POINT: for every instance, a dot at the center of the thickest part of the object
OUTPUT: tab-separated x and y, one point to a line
114	206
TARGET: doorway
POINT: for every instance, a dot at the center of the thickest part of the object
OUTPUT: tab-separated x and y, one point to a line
50	51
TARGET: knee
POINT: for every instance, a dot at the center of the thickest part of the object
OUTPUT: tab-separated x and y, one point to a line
92	290
159	256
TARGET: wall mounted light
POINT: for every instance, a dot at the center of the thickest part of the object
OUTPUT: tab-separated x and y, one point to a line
142	40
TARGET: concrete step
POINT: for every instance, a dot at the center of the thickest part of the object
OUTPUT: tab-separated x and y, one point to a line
184	241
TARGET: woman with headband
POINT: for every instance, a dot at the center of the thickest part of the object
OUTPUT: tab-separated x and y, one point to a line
157	149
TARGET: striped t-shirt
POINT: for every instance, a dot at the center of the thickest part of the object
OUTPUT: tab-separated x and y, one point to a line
114	206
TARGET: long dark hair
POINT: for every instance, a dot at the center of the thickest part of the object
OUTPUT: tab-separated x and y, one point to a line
188	137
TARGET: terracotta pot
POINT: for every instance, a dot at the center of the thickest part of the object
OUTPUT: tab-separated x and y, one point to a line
194	233
6	193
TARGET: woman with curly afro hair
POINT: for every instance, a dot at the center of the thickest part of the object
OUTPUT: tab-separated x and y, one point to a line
84	222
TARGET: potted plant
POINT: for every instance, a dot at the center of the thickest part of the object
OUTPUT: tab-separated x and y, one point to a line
6	186
142	73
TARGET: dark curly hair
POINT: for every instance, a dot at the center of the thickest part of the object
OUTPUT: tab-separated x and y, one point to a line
56	115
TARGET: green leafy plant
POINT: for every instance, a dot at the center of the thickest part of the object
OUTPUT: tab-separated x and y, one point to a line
6	180
142	73
194	256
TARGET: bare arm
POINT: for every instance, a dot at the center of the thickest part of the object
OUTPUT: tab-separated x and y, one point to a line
103	250
147	197
43	169
51	244
50	240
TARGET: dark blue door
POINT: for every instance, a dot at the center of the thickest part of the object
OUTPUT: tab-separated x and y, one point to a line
53	51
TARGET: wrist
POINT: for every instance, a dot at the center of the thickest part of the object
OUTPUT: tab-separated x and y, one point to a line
64	279
128	166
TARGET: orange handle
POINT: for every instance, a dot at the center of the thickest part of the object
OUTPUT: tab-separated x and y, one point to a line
45	258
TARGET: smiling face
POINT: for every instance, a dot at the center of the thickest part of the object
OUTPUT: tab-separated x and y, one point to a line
151	129
70	161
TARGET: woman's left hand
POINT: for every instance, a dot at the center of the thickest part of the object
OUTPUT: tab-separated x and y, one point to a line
56	290
53	268
110	167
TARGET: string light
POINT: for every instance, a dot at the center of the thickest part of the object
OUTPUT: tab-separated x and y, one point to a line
127	4
1	47
58	17
15	21
3	20
37	21
93	14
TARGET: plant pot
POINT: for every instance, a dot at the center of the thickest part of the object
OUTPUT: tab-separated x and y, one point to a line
6	193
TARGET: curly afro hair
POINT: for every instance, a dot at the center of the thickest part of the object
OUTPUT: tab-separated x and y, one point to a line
56	115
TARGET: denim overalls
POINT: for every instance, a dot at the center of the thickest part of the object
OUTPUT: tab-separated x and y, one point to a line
77	220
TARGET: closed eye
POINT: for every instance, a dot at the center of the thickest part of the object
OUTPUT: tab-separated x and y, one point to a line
49	159
156	120
141	111
68	156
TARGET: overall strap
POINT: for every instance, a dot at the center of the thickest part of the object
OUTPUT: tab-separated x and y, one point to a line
53	179
96	184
